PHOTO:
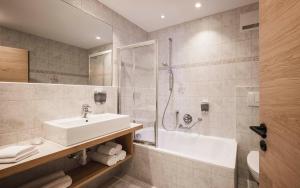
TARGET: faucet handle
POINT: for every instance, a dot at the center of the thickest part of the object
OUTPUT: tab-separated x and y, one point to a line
85	110
85	107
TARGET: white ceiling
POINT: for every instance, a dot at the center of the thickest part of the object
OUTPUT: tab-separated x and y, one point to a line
56	20
146	13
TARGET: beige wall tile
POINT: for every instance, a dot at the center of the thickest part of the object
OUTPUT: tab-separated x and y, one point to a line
27	106
247	140
211	57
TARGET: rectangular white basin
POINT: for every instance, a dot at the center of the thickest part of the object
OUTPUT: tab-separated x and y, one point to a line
75	130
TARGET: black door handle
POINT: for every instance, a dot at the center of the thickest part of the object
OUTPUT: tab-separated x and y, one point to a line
260	130
263	145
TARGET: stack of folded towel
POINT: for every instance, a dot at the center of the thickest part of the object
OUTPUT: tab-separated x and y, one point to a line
109	153
55	180
16	153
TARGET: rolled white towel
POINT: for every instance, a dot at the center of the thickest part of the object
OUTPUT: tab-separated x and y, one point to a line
19	157
108	160
44	180
117	146
63	182
121	155
108	150
14	151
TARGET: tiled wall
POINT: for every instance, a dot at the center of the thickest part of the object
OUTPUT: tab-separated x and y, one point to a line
165	170
247	140
26	106
50	61
210	58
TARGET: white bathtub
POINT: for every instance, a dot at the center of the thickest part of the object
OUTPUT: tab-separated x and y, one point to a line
215	150
185	160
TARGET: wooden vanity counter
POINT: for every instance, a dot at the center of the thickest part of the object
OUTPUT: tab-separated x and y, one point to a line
50	151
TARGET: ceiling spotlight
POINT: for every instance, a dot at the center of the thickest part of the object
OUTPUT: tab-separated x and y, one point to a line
98	38
198	5
162	16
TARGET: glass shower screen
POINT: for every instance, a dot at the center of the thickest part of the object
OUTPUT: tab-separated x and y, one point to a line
138	87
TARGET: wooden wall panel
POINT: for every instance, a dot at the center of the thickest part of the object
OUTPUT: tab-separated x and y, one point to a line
13	64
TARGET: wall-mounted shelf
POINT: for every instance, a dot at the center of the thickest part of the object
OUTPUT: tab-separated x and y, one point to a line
50	151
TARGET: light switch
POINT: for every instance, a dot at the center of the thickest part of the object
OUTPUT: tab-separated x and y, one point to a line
253	99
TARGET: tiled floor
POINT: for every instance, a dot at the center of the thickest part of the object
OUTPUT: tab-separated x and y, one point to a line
126	182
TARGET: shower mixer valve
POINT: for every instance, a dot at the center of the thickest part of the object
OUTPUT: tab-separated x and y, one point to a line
187	119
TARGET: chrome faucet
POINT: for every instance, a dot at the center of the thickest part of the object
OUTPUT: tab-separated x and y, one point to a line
85	110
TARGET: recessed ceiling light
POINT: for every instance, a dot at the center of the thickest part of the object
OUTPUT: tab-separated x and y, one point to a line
162	16
198	5
98	38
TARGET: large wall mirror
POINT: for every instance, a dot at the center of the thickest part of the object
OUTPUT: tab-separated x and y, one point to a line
53	42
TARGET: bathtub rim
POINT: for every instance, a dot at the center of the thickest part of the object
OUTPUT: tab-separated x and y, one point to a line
192	133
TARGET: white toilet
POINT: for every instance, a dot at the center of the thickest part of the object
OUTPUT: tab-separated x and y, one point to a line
253	164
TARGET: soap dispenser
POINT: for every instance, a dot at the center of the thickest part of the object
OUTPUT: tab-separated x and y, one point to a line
204	106
100	97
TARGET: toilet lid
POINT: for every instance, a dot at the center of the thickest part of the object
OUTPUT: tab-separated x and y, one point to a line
253	160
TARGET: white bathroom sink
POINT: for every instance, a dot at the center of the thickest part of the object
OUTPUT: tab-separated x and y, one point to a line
75	130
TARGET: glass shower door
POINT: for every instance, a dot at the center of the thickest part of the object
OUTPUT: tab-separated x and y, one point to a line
126	83
138	87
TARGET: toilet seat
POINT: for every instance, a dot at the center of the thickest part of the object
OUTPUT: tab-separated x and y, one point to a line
253	164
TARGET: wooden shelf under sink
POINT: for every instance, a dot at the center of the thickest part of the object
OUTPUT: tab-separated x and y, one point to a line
85	174
50	151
